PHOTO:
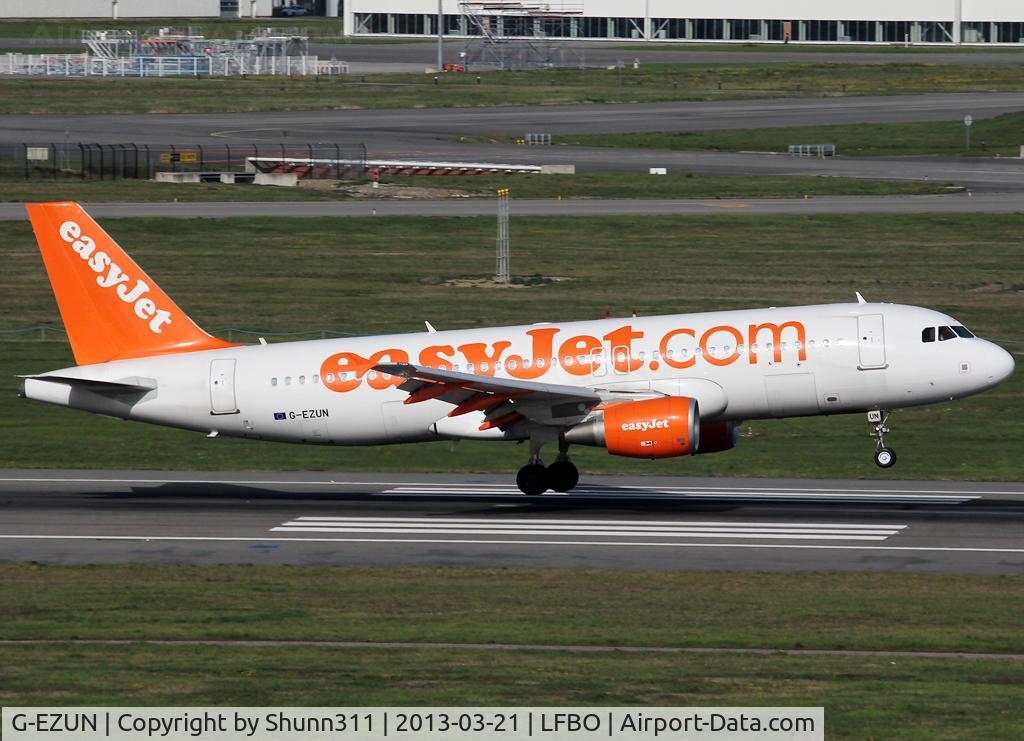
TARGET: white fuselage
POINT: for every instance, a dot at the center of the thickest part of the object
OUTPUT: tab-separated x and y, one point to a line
748	364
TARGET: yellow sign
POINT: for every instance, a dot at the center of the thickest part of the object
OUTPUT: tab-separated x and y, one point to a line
179	157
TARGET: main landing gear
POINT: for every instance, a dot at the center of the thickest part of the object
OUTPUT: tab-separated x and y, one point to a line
884	457
535	478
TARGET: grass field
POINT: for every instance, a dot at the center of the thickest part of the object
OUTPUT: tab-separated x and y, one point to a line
375	275
655	82
865	697
1002	135
589	185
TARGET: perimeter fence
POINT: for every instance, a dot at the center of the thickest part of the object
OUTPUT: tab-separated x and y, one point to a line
82	160
84	65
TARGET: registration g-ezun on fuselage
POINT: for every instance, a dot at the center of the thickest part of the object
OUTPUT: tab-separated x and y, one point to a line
650	387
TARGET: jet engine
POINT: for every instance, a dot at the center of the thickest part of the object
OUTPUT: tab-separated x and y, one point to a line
717	436
653	428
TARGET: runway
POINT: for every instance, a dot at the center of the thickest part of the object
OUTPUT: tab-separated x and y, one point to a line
476	520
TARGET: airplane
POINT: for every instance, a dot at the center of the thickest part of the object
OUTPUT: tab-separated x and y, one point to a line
642	387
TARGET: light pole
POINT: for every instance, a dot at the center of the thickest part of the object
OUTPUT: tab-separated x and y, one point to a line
440	35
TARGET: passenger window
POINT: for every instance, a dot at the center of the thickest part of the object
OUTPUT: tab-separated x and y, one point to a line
302	380
928	334
316	378
330	378
273	381
287	380
945	333
963	331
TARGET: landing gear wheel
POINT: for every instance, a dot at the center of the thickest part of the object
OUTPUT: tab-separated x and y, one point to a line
885	458
532	479
562	476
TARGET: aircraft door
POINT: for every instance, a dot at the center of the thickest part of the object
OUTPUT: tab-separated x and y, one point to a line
871	341
222	386
791	394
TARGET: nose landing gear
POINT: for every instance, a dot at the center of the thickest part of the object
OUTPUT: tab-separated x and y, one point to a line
534	479
884	457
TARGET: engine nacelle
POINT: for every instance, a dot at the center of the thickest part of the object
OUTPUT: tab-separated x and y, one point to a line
653	428
717	436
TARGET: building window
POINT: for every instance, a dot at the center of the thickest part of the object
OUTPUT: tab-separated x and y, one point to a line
1010	33
453	25
859	31
668	28
778	30
627	28
708	28
822	30
744	29
895	31
594	28
975	32
517	26
408	23
556	27
371	22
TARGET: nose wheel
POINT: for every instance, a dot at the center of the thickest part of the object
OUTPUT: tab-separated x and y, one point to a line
884	457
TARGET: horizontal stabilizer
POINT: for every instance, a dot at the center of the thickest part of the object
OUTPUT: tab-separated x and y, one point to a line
124	386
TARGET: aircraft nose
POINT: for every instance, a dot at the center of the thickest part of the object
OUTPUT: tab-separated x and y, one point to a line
999	365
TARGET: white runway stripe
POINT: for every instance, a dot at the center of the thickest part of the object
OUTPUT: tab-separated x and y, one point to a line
603	533
592	523
587	528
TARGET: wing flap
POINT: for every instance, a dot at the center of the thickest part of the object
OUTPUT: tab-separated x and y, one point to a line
505	402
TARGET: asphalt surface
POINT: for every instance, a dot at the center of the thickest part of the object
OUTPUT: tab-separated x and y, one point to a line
433	134
958	203
381	127
474	520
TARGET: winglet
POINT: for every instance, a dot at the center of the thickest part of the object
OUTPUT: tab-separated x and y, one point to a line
111	309
430	327
860	299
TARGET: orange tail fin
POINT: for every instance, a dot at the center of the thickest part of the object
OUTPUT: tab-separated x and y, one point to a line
111	309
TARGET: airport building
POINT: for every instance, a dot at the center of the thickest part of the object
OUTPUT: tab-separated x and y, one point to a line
782	21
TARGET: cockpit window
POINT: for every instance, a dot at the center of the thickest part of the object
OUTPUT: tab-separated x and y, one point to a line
946	333
928	334
962	331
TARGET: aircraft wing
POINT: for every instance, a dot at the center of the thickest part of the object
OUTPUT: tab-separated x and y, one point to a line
504	401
